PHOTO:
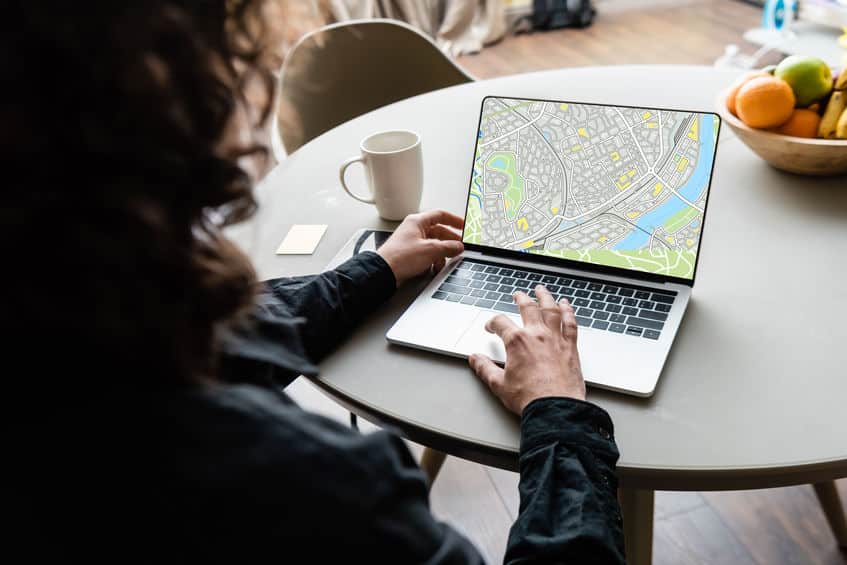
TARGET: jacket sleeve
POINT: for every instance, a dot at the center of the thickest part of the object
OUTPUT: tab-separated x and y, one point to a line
569	511
334	302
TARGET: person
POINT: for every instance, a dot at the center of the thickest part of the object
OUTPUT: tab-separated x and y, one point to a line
147	407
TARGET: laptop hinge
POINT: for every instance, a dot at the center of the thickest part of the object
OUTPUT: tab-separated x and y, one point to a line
588	268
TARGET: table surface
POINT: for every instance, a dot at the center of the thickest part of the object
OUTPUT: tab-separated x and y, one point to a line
753	392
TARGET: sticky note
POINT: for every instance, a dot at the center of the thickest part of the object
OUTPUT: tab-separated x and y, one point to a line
301	239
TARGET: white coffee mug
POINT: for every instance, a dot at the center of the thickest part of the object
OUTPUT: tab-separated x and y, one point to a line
394	168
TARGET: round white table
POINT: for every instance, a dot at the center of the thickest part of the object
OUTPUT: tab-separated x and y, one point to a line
753	394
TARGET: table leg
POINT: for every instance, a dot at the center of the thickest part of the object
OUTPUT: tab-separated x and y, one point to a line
431	462
831	503
637	512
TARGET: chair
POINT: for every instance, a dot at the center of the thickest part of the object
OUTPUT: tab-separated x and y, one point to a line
344	70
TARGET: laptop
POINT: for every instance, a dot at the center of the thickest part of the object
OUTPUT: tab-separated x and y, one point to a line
604	205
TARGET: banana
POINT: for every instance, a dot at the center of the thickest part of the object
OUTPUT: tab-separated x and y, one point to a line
841	81
841	127
832	115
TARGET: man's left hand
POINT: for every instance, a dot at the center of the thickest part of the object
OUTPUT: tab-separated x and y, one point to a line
422	242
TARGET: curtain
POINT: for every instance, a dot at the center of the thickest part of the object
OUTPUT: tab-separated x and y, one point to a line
457	26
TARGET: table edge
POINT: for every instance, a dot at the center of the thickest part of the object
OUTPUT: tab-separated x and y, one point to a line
579	68
638	477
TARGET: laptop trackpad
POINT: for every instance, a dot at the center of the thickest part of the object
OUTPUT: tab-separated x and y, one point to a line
477	340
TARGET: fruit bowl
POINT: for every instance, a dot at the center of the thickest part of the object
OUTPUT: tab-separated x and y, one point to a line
804	156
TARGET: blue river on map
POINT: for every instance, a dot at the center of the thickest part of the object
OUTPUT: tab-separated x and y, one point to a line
697	183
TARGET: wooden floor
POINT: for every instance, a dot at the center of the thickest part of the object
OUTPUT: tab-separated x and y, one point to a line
626	32
766	527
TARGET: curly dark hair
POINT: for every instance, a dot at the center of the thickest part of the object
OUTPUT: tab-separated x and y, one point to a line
112	127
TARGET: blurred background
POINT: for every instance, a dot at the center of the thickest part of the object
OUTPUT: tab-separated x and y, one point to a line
496	37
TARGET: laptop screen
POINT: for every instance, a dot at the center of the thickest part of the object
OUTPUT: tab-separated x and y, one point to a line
613	186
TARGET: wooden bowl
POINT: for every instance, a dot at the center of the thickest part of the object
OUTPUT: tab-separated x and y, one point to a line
820	157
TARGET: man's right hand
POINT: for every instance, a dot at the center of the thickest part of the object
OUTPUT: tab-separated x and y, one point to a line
541	358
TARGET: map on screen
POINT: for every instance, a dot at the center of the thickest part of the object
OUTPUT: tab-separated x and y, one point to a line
609	185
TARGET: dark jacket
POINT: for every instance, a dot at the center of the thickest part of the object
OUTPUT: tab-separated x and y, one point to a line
296	483
237	473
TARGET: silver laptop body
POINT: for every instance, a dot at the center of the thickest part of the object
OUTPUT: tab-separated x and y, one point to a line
602	204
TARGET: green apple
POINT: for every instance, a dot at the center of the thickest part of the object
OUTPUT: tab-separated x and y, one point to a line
769	69
809	77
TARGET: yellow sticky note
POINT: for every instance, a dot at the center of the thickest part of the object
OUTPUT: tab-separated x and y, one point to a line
301	239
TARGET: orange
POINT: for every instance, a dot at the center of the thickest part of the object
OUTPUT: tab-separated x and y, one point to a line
765	102
733	90
802	123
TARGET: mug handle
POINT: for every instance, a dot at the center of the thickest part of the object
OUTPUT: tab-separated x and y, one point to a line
343	170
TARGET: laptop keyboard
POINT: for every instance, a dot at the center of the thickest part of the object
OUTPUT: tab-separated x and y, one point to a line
629	310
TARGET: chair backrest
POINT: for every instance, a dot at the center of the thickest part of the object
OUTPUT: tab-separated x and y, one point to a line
344	70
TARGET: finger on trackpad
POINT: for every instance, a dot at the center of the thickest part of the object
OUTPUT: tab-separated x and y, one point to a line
478	340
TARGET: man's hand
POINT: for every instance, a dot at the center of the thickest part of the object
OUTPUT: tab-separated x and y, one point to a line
541	357
421	242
